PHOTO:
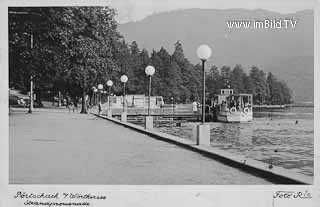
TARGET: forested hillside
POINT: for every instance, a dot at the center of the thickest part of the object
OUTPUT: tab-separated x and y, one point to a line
72	49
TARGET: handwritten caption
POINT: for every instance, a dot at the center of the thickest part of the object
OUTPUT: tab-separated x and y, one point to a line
292	194
57	198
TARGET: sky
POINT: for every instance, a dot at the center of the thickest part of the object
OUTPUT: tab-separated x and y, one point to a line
134	10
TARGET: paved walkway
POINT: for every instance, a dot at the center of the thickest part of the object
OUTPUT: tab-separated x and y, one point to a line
52	146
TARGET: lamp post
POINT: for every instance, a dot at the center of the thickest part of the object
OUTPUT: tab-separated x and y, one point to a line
124	80
31	77
109	84
203	52
203	134
149	70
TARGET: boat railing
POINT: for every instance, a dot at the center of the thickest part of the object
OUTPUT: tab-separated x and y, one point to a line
234	109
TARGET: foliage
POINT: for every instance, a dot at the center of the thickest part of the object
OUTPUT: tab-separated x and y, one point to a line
76	48
279	91
265	90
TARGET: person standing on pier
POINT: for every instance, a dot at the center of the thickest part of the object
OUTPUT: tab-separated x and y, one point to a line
194	107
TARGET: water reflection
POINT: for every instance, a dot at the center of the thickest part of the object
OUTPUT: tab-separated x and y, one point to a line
237	134
279	137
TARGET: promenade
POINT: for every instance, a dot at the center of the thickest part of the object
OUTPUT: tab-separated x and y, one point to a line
53	146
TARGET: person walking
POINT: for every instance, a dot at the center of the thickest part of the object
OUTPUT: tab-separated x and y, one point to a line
73	107
75	104
69	107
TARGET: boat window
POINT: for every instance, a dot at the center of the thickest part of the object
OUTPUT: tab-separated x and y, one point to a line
246	101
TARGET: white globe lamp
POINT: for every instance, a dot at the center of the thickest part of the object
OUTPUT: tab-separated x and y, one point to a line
204	52
100	86
150	70
109	83
124	78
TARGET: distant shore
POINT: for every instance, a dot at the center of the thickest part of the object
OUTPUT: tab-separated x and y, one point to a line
284	105
269	106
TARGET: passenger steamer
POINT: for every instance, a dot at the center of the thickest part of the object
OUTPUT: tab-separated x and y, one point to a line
230	107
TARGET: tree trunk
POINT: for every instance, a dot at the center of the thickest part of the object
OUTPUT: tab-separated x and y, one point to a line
84	103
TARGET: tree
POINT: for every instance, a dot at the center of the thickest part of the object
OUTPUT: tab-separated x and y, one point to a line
286	92
248	84
279	93
213	81
31	49
226	76
272	85
260	87
189	85
156	61
91	38
144	62
237	79
73	47
139	60
123	64
169	74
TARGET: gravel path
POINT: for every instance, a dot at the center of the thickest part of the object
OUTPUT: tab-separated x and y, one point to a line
52	146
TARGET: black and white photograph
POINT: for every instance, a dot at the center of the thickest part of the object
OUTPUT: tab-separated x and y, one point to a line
150	92
187	96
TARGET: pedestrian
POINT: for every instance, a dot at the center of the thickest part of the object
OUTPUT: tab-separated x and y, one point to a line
75	104
68	107
194	107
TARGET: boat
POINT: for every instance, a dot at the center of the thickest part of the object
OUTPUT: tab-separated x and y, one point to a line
230	107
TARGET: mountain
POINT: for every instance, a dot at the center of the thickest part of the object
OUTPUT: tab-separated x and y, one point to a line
288	53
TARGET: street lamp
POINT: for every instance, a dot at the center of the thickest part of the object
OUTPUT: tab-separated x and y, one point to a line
149	72
203	130
100	86
109	84
124	79
203	52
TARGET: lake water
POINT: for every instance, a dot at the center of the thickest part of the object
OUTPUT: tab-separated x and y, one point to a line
282	137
